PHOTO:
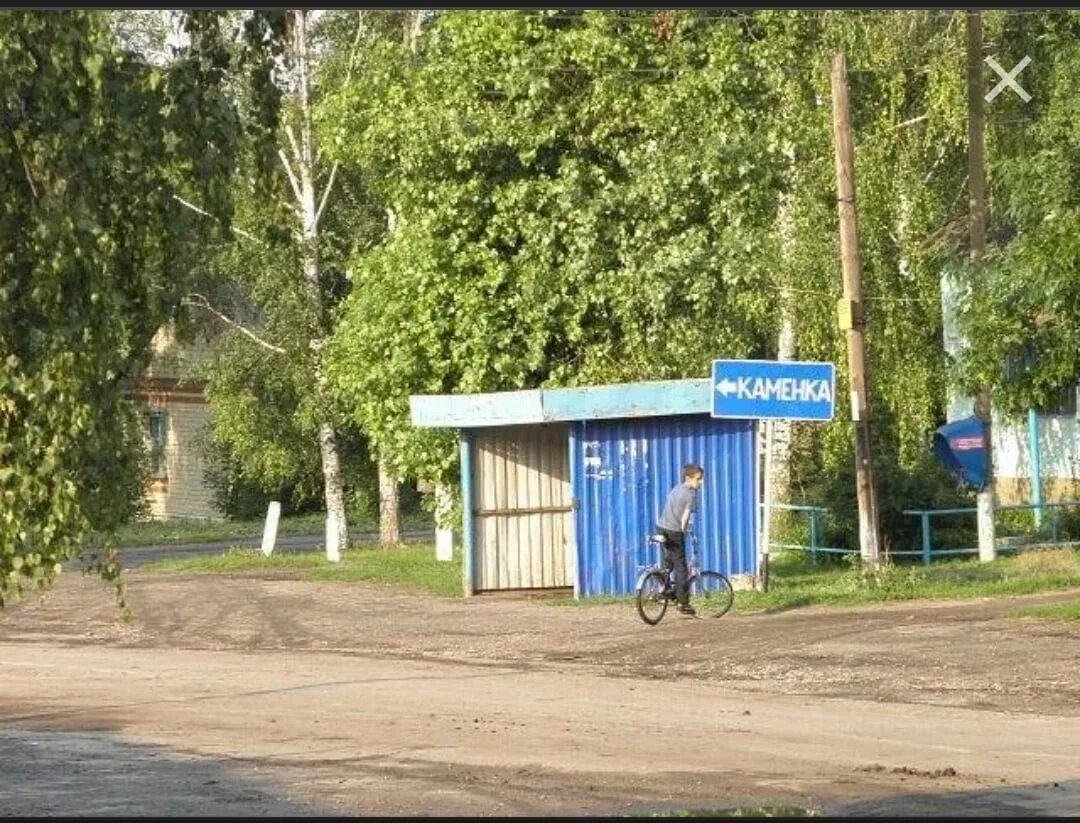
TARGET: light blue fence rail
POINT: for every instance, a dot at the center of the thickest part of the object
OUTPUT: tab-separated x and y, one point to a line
926	550
815	513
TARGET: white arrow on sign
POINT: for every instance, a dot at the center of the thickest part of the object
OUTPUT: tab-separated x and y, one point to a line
726	386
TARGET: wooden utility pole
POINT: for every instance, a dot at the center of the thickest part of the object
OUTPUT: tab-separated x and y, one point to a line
977	219
851	315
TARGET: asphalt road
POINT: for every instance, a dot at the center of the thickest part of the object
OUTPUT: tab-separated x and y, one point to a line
134	556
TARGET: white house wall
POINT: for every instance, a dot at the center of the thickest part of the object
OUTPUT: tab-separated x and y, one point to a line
167	386
1059	452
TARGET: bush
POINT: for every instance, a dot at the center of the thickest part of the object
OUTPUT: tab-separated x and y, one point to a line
240	498
926	485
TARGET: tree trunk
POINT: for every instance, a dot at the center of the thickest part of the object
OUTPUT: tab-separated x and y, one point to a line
413	23
444	526
389	499
337	524
389	506
785	350
337	531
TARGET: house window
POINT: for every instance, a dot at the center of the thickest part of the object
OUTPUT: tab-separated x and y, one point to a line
1063	402
158	423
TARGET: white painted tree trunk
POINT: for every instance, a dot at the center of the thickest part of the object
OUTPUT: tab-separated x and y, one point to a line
337	531
389	506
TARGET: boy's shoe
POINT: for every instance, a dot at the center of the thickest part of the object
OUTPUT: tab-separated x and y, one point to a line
687	609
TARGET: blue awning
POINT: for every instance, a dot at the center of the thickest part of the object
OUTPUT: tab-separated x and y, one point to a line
961	446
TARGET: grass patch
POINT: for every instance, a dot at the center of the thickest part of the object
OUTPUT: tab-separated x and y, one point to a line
1054	611
745	811
179	532
795	582
411	567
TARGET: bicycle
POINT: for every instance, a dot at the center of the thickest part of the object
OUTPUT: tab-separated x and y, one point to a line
711	593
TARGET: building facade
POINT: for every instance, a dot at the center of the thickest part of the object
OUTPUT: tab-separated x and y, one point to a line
175	415
1034	460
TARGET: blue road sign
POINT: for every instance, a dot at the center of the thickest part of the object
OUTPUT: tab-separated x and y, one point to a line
777	389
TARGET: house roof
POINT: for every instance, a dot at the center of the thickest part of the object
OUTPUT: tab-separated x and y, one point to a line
649	399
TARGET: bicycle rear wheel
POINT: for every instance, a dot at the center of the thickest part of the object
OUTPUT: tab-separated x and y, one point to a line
651	601
711	594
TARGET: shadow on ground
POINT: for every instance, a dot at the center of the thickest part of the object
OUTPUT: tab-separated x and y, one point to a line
97	773
1052	799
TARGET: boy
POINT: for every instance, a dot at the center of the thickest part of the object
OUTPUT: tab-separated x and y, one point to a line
673	524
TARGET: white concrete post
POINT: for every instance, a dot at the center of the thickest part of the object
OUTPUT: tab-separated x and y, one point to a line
273	513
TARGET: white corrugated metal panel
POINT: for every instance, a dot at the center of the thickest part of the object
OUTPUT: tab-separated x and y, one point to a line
522	508
475	410
510	408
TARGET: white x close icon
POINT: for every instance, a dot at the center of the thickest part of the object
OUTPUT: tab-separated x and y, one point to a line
1008	79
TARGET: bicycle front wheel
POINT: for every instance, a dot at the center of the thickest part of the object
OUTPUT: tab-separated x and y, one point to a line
711	594
651	602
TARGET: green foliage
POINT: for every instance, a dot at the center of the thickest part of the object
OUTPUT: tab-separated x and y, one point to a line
1023	322
268	401
926	484
616	196
112	467
240	498
531	198
96	252
561	218
41	523
262	444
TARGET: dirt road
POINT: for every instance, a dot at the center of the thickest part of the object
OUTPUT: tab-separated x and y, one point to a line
268	695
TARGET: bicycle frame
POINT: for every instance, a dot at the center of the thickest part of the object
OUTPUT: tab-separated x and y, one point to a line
710	591
692	565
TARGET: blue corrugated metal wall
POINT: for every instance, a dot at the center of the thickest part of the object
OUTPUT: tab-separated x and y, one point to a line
623	473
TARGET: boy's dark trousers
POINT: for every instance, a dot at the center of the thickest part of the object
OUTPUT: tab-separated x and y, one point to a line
675	560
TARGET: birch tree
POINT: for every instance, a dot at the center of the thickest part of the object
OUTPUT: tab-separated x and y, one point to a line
97	252
300	164
272	288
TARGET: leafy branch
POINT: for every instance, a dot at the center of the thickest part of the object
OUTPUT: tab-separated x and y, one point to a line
200	301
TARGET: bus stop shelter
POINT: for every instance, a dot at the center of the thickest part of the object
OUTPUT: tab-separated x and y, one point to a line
561	487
